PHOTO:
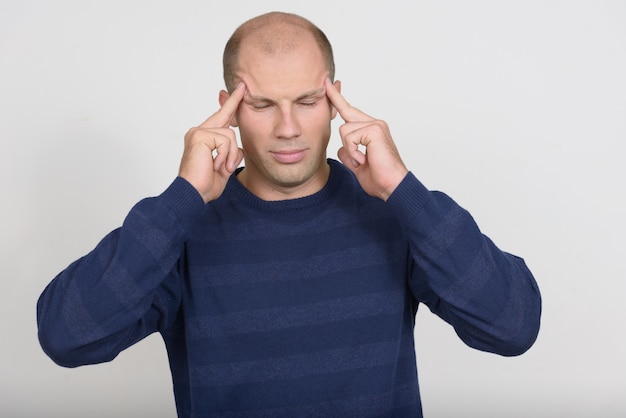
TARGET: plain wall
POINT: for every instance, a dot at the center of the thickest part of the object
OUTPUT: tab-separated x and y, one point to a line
517	109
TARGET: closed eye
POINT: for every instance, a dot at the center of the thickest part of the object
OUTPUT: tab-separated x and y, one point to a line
260	106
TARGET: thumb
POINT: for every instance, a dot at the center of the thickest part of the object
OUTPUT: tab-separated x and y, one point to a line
347	160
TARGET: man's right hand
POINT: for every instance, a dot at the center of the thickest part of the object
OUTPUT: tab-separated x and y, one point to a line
211	153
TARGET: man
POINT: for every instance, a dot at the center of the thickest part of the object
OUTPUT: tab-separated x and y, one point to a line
289	287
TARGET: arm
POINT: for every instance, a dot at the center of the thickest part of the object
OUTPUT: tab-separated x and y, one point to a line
488	296
129	286
123	290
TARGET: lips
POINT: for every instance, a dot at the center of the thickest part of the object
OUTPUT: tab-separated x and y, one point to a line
289	157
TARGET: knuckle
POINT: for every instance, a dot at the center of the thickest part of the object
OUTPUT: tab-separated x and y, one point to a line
189	135
193	135
381	125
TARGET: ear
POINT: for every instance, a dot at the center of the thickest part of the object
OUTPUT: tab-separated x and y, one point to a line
224	95
333	111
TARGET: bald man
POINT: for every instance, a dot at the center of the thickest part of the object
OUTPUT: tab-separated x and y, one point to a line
289	286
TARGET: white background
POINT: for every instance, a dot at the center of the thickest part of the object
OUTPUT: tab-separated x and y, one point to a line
517	109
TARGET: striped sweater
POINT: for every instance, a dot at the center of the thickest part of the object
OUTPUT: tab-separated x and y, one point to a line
300	307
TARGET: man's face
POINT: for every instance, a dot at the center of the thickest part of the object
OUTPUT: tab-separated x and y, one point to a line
284	121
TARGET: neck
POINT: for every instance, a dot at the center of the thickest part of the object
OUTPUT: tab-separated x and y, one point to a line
268	191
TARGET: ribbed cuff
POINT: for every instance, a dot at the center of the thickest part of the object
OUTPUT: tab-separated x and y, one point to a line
409	197
184	200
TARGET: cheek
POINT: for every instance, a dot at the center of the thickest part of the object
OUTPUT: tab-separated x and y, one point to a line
317	120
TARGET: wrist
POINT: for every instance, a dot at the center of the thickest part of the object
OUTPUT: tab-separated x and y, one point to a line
394	181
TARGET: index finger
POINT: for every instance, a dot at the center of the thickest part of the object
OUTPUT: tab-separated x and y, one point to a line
345	109
222	118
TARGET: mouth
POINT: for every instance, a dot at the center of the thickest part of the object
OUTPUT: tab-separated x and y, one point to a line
289	156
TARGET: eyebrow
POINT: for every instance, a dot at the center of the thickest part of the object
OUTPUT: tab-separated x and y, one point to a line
303	96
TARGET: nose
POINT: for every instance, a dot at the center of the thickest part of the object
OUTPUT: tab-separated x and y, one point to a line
286	124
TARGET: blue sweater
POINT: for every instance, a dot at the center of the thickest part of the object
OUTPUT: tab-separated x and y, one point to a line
293	308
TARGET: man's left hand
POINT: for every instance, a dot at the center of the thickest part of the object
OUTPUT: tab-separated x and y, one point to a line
379	169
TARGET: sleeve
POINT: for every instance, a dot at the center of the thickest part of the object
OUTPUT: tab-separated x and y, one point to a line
489	296
126	288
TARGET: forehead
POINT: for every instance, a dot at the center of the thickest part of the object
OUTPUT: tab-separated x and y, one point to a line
290	68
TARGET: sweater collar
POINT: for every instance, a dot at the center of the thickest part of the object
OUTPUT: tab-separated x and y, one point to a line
337	175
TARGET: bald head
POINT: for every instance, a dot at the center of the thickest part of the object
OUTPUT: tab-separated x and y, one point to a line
273	33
